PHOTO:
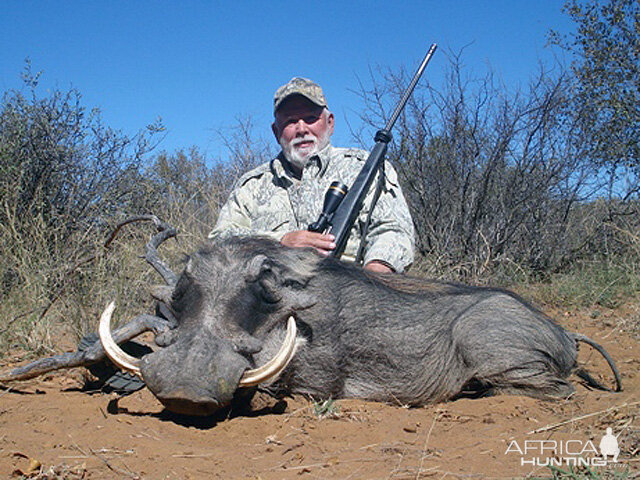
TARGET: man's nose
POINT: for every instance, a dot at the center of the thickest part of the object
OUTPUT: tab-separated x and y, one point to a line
301	127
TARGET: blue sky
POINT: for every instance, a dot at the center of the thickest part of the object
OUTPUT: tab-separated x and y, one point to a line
201	65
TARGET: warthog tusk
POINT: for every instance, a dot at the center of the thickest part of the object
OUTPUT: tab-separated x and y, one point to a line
250	378
277	364
120	358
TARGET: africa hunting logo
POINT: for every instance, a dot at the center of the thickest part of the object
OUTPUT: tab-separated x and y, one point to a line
558	453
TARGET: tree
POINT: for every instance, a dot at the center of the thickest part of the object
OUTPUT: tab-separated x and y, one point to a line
63	176
493	178
59	164
606	64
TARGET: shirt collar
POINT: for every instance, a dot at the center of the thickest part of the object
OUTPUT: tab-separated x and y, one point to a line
317	165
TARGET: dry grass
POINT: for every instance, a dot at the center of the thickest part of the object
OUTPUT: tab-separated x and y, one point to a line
55	289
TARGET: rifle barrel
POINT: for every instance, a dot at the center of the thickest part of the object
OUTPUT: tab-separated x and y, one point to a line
410	88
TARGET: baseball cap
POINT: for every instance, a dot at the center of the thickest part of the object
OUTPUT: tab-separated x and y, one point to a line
299	86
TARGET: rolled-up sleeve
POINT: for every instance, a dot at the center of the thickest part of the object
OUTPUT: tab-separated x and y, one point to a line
391	234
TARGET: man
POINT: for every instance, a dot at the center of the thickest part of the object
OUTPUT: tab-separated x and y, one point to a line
281	198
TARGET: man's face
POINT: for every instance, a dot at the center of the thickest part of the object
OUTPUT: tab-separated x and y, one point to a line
302	129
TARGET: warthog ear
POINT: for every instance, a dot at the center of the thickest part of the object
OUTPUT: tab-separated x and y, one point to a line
256	267
279	283
260	270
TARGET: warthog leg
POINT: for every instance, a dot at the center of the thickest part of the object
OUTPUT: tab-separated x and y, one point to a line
93	354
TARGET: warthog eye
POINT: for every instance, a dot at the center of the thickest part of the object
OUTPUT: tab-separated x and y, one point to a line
294	284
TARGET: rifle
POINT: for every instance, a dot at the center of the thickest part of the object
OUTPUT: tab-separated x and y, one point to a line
341	204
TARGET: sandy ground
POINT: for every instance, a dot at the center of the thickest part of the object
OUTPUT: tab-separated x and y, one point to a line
50	428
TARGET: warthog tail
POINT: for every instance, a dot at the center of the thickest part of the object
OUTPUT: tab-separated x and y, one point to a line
583	374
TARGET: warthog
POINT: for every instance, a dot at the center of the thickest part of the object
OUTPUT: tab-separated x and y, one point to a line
249	311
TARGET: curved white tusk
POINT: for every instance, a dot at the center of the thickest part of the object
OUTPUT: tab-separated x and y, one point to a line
277	364
120	358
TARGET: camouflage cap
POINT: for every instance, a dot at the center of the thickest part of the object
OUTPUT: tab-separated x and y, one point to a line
299	86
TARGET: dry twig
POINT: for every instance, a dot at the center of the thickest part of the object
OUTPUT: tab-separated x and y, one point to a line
582	417
426	441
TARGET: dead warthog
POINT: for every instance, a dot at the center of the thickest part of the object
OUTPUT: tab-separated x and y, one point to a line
249	311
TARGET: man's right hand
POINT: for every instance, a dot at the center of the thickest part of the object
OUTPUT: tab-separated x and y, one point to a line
303	238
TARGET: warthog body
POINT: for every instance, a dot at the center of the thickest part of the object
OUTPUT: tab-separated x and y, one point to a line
360	335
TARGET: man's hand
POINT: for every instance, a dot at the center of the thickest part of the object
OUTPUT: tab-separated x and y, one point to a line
303	238
324	244
377	266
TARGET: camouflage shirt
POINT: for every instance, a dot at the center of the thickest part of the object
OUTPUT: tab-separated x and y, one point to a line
270	201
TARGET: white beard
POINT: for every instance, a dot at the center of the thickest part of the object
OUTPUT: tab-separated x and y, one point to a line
300	157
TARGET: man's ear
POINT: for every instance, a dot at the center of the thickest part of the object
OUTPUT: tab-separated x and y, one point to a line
274	129
330	123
